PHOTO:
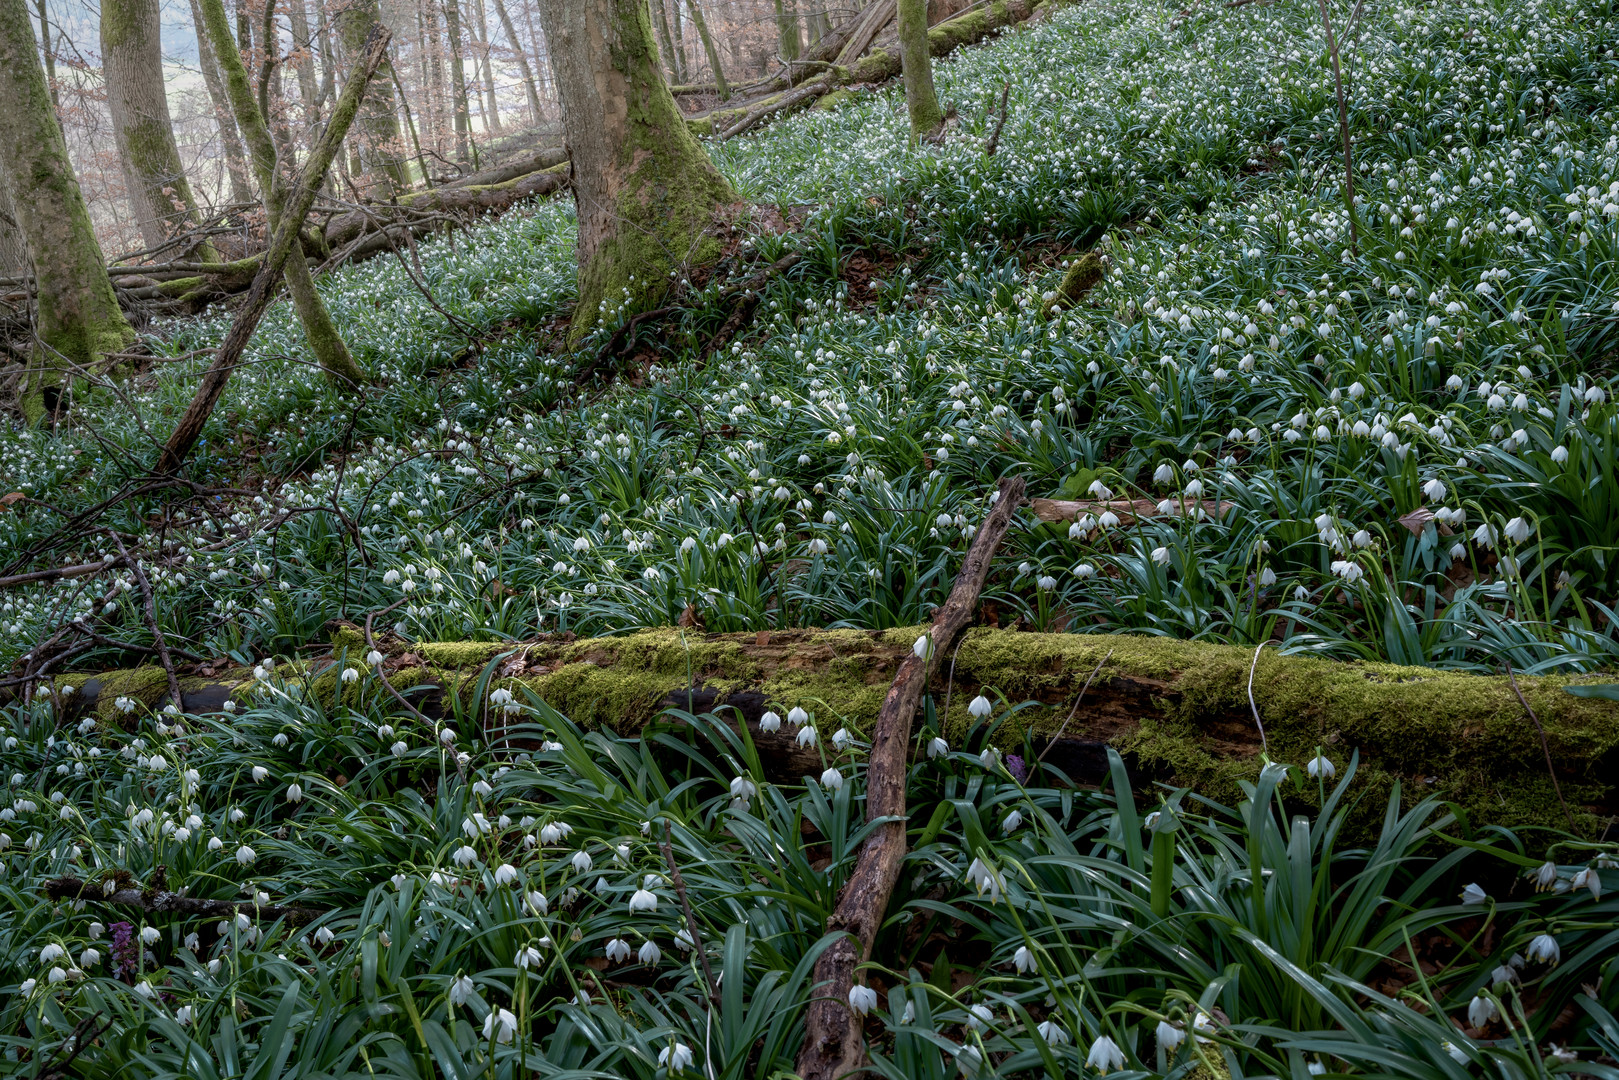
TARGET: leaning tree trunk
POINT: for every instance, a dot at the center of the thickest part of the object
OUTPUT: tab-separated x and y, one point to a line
458	80
382	141
321	332
132	62
708	47
920	99
521	56
241	188
78	319
646	192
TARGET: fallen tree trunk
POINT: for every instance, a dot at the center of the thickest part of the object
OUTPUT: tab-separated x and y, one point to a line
1179	710
834	1043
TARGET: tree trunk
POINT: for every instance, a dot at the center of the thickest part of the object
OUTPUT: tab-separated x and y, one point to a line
708	47
303	46
78	320
646	192
677	36
241	187
458	81
132	63
50	55
521	56
787	40
920	99
665	42
1178	710
432	65
321	333
486	71
381	141
13	253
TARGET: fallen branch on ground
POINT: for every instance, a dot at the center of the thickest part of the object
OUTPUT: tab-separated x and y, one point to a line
160	901
834	1044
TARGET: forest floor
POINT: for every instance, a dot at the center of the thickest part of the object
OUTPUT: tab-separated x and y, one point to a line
1395	404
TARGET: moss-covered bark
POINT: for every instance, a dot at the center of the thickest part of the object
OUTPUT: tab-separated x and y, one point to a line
646	192
78	318
921	101
1179	710
381	137
132	64
324	340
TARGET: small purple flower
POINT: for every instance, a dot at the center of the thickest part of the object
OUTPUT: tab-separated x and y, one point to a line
126	952
1015	766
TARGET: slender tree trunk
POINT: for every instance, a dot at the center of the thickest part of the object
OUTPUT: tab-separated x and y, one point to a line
458	80
665	43
78	320
132	63
303	45
324	340
646	192
708	47
432	68
50	56
677	35
380	138
487	72
920	99
521	56
241	187
788	43
542	63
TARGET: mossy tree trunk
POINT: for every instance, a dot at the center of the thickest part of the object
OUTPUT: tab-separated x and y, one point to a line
303	47
132	63
381	139
521	56
708	48
646	193
458	81
241	185
920	99
13	254
324	340
788	42
78	320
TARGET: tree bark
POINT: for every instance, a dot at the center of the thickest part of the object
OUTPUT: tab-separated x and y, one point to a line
287	204
701	23
646	192
665	42
132	63
921	101
833	1041
458	81
321	333
78	320
380	138
13	253
230	141
486	72
49	53
521	56
788	42
303	46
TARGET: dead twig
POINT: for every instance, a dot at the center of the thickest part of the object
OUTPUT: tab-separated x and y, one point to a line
994	139
691	917
150	606
156	901
1041	759
1545	747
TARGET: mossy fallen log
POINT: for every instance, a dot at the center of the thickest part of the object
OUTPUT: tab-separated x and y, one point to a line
1178	710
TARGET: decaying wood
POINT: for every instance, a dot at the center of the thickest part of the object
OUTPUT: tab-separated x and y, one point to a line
834	1043
162	901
